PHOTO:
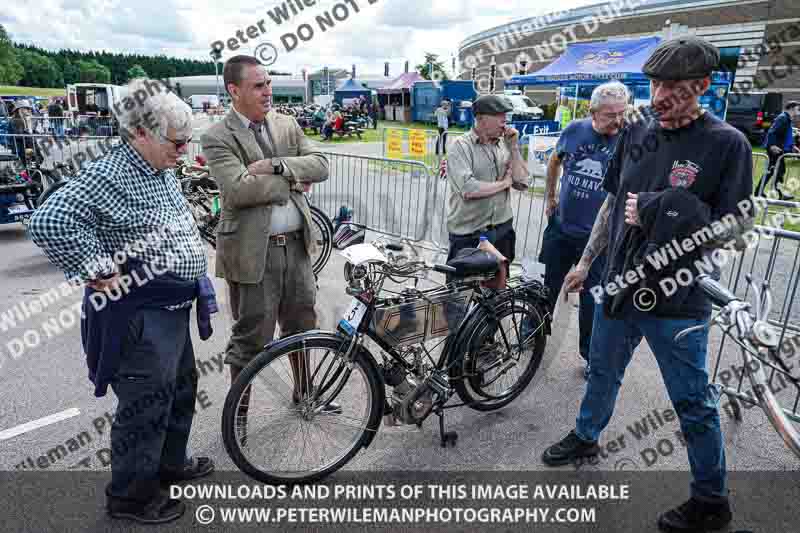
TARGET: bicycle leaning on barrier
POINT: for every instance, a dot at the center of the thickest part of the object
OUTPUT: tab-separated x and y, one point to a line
746	324
276	424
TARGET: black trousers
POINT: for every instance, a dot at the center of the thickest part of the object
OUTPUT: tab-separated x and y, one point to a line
156	386
773	160
442	139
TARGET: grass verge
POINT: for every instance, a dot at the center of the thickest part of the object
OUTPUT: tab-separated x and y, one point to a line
14	90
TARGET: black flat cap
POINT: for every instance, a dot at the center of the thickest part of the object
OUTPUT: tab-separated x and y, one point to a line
685	58
491	104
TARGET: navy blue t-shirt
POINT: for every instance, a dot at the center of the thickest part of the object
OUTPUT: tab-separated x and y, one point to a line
585	155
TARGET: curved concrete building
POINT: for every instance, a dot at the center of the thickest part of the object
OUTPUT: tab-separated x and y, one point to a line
759	39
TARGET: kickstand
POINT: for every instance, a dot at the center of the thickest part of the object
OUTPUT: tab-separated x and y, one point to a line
447	437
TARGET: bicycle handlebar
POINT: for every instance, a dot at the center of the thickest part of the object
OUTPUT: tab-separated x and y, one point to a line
719	295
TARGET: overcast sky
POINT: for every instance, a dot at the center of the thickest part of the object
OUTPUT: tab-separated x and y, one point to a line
388	30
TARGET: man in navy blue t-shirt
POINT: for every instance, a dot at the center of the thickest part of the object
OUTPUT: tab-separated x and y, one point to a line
682	151
583	151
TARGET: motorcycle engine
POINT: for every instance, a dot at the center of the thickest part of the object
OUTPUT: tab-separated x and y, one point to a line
411	400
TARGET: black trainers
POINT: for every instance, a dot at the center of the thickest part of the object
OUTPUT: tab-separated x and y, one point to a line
696	516
194	468
159	510
568	450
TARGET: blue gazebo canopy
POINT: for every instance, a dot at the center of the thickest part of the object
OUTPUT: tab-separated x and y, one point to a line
599	62
587	62
350	89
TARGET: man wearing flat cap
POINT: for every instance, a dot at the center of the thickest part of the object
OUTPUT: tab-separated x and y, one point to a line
678	152
482	166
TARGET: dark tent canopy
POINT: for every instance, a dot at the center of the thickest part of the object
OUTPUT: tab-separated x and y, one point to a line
350	89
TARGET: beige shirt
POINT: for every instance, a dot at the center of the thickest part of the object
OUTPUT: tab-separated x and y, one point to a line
469	163
284	218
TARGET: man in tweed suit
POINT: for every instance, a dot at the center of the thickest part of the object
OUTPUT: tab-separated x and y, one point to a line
262	162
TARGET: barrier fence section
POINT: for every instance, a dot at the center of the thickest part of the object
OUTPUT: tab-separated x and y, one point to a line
775	258
389	196
760	165
94	126
47	151
791	178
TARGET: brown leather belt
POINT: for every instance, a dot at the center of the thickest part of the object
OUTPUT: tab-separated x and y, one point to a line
283	238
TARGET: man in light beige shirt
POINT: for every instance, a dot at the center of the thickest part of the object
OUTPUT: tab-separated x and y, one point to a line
482	166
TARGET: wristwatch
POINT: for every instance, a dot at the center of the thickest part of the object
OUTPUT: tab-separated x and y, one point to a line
277	169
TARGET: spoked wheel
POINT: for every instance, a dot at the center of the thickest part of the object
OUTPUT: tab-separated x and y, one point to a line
299	411
502	354
324	239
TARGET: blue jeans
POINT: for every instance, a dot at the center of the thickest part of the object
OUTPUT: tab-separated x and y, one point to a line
683	369
560	252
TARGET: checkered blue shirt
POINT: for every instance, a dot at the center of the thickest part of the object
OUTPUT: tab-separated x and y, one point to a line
119	205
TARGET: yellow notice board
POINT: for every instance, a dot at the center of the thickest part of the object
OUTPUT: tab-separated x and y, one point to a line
394	144
416	142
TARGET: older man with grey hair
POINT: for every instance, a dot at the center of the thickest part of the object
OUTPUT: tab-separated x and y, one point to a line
122	227
583	152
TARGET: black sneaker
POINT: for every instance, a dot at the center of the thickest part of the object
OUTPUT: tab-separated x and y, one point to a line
568	450
159	510
696	516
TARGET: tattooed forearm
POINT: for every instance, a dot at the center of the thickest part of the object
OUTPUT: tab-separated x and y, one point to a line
598	240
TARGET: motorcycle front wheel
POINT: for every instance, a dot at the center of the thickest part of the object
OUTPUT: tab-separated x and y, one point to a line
300	411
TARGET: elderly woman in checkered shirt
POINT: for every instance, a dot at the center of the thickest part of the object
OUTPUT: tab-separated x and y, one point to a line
122	227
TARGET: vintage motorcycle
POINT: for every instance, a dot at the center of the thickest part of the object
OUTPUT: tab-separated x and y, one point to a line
318	397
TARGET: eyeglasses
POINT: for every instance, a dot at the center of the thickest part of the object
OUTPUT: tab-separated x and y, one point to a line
613	116
177	143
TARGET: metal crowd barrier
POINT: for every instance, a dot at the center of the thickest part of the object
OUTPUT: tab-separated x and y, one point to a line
791	177
389	196
760	165
94	126
774	258
50	150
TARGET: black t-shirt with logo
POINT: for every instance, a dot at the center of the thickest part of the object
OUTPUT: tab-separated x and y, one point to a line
708	157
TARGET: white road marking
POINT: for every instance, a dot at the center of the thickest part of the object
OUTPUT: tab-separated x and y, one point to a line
35	424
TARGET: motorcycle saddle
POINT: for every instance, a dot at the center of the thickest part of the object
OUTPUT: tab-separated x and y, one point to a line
473	262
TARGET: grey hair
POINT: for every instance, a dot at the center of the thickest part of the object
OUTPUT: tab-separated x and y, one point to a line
612	91
149	104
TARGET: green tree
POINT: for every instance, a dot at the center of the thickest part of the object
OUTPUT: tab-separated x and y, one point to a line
10	69
136	71
438	68
93	72
72	73
40	70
